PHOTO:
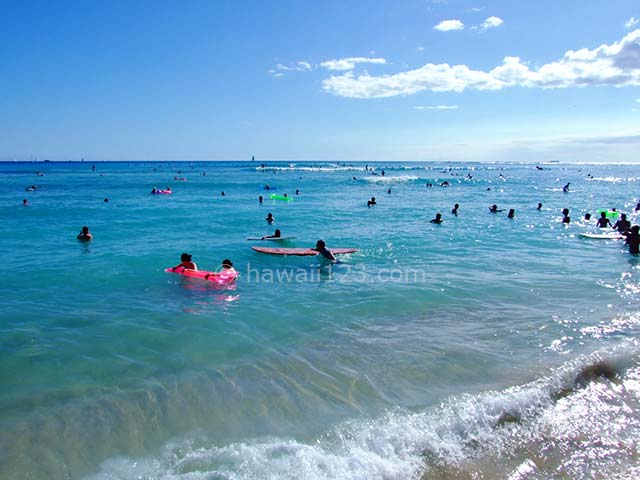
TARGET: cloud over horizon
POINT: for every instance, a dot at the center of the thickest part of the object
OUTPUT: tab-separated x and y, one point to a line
614	65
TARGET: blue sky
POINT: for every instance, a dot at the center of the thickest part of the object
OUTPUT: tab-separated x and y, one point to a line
331	80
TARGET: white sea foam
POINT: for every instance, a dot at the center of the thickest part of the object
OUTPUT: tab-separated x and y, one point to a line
494	433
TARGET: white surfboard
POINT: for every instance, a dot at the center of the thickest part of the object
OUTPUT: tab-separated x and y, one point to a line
602	236
271	239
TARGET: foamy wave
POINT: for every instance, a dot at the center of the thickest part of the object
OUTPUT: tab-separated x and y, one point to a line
615	179
295	168
578	408
390	179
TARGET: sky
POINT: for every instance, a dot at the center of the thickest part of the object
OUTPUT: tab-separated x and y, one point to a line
337	80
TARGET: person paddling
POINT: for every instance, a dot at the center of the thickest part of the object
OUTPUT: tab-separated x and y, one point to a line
321	247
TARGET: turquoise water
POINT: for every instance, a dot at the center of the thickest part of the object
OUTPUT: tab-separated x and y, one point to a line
435	351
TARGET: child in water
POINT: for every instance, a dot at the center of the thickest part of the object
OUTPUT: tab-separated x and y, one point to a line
186	263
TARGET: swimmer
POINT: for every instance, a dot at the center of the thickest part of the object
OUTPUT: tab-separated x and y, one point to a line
260	199
454	210
222	194
603	221
84	234
389	191
297	191
371	202
565	189
227	266
512	213
25	202
276	234
638	207
494	209
438	219
587	216
106	200
565	216
633	240
321	247
154	190
539	206
185	263
623	224
270	218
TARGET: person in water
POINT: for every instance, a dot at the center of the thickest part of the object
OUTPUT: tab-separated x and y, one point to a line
623	224
321	247
186	263
276	234
587	216
154	190
438	219
633	240
25	202
260	199
565	216
371	202
270	218
227	266
512	213
539	206
603	221
455	209
494	209
565	189
84	234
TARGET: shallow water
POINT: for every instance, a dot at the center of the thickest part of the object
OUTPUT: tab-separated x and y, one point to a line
442	351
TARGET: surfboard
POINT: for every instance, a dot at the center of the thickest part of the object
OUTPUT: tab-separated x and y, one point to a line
301	251
225	276
602	236
272	239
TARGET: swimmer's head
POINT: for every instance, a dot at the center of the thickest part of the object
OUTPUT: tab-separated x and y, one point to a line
320	244
226	263
185	257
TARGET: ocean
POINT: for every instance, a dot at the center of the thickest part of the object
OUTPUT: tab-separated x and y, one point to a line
481	348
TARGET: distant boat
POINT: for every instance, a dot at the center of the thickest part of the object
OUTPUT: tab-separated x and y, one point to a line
253	158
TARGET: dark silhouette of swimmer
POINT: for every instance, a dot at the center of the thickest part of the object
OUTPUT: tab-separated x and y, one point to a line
633	240
638	207
454	210
623	224
438	219
371	202
587	216
565	216
84	234
494	209
321	247
539	206
565	189
276	234
25	202
512	213
270	218
260	199
603	221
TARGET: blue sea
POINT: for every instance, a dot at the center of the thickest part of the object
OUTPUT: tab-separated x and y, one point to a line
481	348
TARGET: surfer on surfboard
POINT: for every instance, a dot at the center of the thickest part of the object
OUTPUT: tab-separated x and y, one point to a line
322	249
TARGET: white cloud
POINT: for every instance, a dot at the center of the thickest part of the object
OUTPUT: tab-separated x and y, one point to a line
632	22
279	69
435	107
420	49
448	25
350	63
491	22
614	65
